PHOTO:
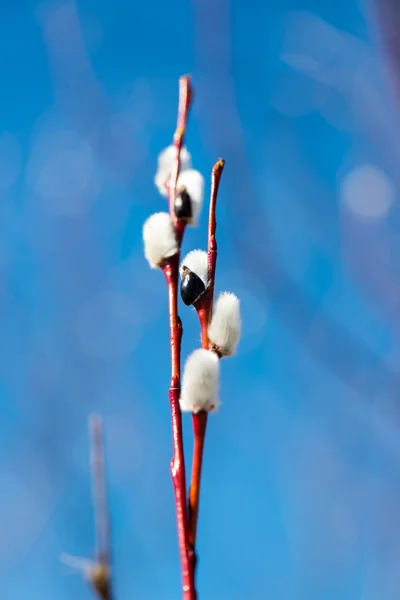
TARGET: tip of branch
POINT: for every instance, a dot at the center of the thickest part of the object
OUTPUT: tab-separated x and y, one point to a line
185	99
187	79
219	165
185	84
95	423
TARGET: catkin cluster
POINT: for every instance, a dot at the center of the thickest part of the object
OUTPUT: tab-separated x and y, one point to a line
200	381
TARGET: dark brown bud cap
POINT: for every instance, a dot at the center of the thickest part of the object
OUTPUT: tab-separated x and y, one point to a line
192	287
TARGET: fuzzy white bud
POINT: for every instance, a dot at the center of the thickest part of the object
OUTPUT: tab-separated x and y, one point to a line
159	239
164	167
196	261
193	182
226	325
200	382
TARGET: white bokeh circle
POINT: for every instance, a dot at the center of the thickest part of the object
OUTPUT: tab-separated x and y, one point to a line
367	191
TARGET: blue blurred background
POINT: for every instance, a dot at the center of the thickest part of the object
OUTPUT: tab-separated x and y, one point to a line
301	489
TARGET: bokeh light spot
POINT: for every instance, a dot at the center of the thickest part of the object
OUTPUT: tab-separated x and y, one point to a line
367	191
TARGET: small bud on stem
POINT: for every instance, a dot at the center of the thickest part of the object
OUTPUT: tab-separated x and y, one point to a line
192	287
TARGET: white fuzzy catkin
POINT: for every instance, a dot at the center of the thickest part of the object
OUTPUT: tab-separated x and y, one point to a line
159	238
200	382
196	261
193	181
226	325
164	166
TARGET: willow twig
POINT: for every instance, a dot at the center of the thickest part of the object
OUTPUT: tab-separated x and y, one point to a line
171	271
204	310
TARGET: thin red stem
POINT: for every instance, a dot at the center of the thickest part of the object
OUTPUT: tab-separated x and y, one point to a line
171	271
212	227
204	309
185	101
178	460
199	430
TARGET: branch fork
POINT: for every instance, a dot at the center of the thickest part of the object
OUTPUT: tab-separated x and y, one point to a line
187	510
197	390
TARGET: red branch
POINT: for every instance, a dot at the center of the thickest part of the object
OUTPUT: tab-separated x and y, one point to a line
204	310
185	101
212	226
171	271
